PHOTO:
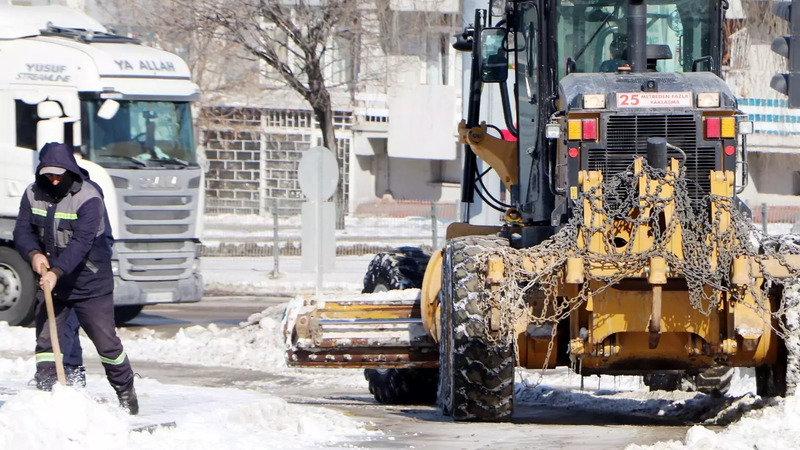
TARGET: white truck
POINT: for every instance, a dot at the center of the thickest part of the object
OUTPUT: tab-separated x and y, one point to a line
126	109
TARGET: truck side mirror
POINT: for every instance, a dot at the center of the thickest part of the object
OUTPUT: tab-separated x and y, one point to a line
49	110
108	109
494	59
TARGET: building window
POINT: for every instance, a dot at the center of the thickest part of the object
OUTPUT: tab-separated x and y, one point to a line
342	60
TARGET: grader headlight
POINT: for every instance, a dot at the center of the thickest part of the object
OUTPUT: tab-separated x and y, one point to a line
553	131
745	127
594	101
708	100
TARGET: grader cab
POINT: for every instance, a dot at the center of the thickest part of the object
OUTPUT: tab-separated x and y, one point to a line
624	248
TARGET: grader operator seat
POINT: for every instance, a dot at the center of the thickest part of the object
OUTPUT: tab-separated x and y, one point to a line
654	54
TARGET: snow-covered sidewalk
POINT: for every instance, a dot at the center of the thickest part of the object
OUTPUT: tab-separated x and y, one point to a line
224	275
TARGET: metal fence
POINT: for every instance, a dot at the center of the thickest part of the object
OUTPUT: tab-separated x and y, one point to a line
776	219
371	228
377	226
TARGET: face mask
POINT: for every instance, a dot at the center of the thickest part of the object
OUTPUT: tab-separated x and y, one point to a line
58	191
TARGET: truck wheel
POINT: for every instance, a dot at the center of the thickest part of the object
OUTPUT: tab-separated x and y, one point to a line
403	386
402	268
714	381
17	289
782	378
476	375
126	313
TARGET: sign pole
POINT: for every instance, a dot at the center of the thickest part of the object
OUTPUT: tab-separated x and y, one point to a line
318	175
320	202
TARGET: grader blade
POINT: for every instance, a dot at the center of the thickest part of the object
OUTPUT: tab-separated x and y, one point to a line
382	330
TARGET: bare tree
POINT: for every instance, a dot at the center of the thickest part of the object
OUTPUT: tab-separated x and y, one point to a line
292	39
166	25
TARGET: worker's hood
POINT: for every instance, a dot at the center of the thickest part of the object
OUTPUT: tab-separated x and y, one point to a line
55	154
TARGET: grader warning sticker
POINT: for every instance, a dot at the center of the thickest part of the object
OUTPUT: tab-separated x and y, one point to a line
654	100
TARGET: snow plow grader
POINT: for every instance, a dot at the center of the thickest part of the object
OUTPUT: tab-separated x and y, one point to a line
623	249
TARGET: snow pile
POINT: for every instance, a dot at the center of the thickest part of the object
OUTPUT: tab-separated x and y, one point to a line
191	418
257	347
774	427
562	388
200	417
64	418
628	395
16	338
257	344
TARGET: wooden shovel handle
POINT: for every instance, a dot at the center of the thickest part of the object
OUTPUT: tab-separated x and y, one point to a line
51	319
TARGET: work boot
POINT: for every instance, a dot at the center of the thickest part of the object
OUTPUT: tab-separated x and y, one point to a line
76	376
127	398
44	380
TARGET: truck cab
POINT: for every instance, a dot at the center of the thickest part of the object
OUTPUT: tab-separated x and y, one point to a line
126	110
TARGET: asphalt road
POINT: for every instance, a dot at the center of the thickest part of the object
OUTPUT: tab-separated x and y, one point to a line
222	311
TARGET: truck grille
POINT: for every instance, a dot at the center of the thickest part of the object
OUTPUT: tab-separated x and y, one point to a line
157	211
626	137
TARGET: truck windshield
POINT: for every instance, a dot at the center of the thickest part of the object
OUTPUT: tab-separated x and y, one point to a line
593	33
138	134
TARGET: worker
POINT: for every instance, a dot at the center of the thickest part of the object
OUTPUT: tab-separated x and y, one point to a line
617	49
62	228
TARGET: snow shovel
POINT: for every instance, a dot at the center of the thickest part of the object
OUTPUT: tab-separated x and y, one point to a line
51	318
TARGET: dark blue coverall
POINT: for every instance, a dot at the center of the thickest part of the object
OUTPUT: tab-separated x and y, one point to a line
63	217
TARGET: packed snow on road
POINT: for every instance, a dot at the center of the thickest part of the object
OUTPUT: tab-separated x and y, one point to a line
250	417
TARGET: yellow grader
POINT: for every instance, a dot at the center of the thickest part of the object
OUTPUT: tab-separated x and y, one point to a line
624	248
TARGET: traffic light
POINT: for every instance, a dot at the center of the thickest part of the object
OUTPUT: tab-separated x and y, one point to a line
788	47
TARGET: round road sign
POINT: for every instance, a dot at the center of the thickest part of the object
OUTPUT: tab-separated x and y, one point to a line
318	174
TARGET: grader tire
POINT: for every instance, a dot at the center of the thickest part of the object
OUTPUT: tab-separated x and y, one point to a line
715	381
402	268
402	386
782	378
668	382
476	376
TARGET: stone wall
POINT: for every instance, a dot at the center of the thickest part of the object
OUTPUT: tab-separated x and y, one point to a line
253	155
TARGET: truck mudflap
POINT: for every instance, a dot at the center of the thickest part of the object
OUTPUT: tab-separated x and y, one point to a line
380	330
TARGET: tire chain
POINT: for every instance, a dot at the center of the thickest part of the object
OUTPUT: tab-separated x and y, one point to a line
477	375
705	236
